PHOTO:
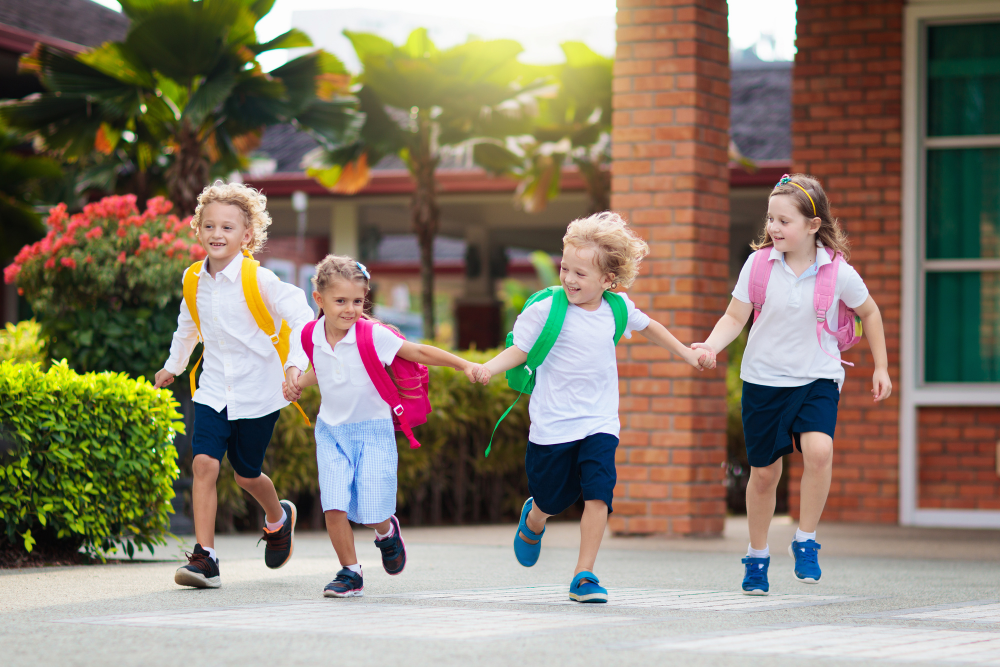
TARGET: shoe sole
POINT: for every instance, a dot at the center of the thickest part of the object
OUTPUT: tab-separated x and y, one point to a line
756	592
349	594
291	538
399	533
183	577
591	597
804	580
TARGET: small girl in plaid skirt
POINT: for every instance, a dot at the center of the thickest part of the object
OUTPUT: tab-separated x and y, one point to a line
355	439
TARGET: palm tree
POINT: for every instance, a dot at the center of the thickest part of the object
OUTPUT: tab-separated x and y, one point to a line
419	100
184	88
23	179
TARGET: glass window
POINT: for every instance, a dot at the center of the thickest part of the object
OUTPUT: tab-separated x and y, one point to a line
963	70
963	203
962	332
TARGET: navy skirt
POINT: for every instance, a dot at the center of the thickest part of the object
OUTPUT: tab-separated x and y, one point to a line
775	417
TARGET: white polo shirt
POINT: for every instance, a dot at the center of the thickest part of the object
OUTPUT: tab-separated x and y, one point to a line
349	395
782	350
241	371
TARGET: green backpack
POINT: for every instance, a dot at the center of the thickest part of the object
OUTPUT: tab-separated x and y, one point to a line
522	378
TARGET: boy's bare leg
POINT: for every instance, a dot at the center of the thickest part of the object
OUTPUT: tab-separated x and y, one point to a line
262	489
535	522
204	500
761	496
817	471
592	525
341	536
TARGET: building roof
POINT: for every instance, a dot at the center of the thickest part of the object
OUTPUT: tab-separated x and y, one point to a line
760	112
77	21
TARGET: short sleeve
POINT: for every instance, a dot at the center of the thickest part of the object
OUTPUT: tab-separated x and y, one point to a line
529	324
637	320
742	290
854	292
296	354
387	343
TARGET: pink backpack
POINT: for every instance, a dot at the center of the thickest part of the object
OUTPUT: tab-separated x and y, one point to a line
848	331
408	410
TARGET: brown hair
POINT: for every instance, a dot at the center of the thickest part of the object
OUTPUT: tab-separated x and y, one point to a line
249	200
619	249
830	232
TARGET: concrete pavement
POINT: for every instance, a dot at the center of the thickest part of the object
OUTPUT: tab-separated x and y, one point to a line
888	595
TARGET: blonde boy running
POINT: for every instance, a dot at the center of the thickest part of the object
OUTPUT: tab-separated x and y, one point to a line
574	405
239	397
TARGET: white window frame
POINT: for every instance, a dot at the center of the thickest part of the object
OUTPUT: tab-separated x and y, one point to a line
914	392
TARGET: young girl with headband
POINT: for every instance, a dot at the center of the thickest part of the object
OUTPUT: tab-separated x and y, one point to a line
796	283
355	439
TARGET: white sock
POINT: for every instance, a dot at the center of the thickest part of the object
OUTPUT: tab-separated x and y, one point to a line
356	568
211	552
759	553
802	537
271	527
387	535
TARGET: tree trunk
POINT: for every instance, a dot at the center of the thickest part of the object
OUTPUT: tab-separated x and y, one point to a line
424	215
187	175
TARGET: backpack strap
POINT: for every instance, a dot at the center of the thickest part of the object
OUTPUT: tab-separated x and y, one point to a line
823	293
760	273
380	377
620	311
307	340
191	278
550	331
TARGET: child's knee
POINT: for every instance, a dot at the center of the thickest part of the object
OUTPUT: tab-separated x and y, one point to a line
334	517
817	450
768	476
205	467
244	482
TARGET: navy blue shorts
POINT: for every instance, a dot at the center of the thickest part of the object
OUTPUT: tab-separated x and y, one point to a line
245	440
775	417
558	474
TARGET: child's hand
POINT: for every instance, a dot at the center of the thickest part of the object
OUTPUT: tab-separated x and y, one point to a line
881	384
477	373
707	361
694	357
290	393
290	387
163	378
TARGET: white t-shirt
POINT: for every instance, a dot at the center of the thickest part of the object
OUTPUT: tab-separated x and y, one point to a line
348	394
576	387
782	350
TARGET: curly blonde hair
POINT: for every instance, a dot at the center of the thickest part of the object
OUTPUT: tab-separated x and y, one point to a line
251	202
811	201
619	249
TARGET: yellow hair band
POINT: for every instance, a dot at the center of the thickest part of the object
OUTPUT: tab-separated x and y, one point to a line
787	179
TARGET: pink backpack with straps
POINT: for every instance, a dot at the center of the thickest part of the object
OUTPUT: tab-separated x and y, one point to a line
410	408
848	331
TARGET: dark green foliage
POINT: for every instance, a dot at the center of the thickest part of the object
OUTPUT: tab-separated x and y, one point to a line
91	462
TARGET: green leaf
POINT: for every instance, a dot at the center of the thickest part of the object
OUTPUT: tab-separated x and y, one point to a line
116	60
292	39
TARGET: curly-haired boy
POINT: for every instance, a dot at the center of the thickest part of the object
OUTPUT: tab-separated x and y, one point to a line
239	397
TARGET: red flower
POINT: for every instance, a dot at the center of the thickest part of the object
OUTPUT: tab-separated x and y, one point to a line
68	262
20	291
56	216
158	206
121	257
197	252
90	260
50	263
122	232
95	233
10	273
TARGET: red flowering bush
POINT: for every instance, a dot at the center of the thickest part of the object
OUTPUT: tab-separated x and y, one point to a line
105	284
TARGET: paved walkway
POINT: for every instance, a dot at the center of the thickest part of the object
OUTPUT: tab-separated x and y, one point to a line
888	595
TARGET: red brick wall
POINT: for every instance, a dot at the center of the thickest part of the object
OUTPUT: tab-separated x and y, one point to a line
670	180
958	458
846	130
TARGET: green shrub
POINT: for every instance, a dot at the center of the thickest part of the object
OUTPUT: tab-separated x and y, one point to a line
22	343
446	480
105	284
91	461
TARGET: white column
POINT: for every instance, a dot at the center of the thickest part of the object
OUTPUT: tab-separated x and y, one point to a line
344	229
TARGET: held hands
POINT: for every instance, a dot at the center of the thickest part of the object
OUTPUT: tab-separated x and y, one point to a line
477	373
694	357
290	387
163	378
707	355
881	384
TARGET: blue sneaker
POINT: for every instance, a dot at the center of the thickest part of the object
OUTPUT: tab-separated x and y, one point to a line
591	591
806	564
755	577
527	554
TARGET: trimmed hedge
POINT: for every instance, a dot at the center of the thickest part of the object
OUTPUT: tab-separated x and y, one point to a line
22	342
91	462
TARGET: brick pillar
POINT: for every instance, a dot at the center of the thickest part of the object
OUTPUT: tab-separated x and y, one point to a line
846	131
671	181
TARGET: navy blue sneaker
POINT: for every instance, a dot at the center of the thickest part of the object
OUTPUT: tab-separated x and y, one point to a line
755	577
806	563
393	550
348	584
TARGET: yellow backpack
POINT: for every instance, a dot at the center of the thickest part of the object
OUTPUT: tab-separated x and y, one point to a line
251	291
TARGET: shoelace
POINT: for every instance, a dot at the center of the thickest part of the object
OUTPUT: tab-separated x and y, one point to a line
389	546
756	573
198	560
807	554
276	540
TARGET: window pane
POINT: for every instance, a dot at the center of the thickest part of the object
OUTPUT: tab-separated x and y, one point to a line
963	203
963	88
962	329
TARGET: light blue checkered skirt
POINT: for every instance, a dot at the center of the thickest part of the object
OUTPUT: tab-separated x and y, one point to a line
357	469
